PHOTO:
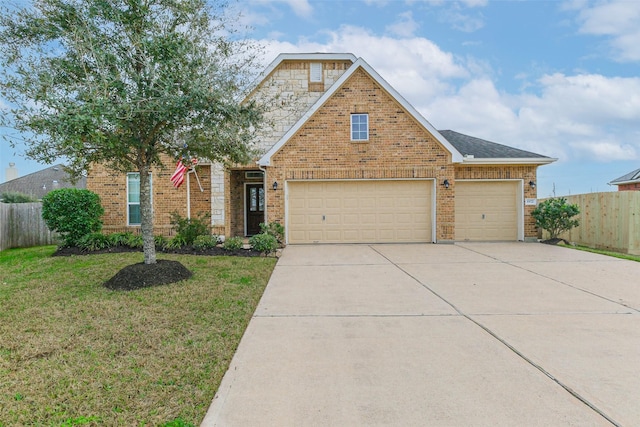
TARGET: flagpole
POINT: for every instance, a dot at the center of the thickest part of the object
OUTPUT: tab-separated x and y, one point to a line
193	169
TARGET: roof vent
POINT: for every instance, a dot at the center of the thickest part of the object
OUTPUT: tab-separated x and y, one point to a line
469	156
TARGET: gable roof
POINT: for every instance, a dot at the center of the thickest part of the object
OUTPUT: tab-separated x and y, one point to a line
37	184
360	63
480	151
633	176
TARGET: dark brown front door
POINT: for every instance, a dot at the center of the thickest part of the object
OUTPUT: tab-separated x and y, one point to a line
254	208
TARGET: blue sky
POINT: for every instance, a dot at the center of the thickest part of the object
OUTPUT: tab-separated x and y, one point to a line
560	78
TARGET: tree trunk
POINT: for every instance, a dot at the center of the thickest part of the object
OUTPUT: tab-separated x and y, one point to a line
146	213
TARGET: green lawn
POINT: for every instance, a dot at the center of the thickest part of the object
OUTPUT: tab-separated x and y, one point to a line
73	352
604	252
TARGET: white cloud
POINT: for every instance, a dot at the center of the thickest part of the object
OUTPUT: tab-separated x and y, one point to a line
301	8
463	21
618	20
405	25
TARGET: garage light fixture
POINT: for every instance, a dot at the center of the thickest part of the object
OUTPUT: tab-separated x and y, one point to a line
275	185
532	184
446	183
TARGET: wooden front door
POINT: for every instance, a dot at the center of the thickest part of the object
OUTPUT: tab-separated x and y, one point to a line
254	208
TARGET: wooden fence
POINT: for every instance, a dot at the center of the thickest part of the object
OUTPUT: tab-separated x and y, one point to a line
607	221
21	226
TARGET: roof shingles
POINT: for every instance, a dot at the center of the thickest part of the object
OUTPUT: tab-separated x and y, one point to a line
482	149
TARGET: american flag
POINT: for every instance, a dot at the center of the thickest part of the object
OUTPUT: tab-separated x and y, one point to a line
178	176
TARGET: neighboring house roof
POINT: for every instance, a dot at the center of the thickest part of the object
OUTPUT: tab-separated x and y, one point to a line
360	63
476	150
39	183
631	177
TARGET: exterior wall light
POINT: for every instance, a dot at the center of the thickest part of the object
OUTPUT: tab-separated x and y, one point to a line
532	184
446	183
275	185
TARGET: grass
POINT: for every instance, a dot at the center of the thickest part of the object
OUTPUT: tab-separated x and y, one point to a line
75	353
604	252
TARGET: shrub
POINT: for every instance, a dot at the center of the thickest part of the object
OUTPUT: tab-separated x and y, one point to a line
160	242
15	197
264	242
127	239
275	229
73	213
94	242
190	228
176	242
233	243
205	242
554	215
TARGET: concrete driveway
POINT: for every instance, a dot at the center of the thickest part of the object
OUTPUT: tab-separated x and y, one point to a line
473	334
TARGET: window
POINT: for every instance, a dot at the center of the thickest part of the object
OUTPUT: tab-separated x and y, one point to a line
359	127
315	72
133	198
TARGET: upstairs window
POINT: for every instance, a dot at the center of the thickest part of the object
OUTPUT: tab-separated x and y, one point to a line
315	72
359	127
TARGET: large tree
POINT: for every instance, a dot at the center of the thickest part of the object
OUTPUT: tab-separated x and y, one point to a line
121	82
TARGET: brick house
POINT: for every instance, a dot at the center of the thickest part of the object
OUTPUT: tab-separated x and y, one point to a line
628	182
347	160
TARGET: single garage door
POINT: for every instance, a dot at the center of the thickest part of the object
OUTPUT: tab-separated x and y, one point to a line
359	211
487	210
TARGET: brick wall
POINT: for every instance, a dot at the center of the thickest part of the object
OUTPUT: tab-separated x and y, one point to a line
635	186
112	188
398	147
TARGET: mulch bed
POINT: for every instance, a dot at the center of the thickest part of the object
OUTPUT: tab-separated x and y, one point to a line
187	250
163	272
141	275
555	241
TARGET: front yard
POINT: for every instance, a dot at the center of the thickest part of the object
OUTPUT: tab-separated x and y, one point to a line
73	352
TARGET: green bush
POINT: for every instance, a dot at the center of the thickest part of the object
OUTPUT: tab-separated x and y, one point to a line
127	239
233	243
94	242
160	242
176	242
555	215
275	229
264	242
205	242
73	213
15	197
190	228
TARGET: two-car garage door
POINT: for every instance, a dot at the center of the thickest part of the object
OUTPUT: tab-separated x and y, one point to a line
375	211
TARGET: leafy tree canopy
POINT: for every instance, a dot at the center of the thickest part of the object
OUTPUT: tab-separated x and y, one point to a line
121	82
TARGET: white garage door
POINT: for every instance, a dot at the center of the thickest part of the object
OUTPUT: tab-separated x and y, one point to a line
487	210
359	211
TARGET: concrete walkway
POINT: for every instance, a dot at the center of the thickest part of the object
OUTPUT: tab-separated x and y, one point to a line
482	334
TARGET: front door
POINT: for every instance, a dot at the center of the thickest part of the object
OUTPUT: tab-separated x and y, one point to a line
254	208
